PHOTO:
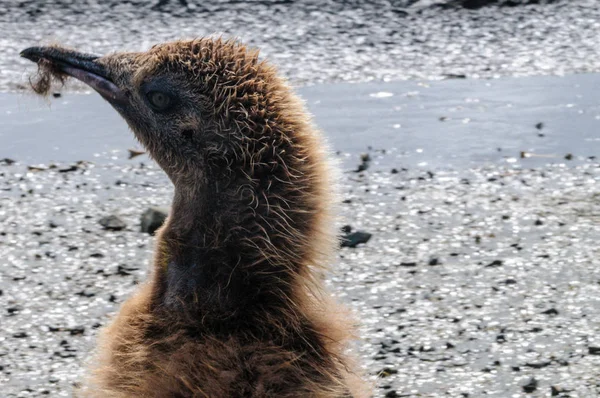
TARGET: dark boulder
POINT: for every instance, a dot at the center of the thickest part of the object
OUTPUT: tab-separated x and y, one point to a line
353	239
112	223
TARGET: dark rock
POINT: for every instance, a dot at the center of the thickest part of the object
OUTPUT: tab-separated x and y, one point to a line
434	261
362	167
408	264
386	372
455	76
20	335
594	350
7	162
96	255
14	310
56	95
68	169
123	270
495	263
64	354
85	293
569	156
538	365
76	331
538	222
551	311
153	218
112	223
530	386
365	159
539	125
391	394
355	238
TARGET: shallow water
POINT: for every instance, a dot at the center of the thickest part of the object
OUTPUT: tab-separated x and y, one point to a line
443	124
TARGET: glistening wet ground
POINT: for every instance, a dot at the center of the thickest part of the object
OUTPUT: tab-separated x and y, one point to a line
481	278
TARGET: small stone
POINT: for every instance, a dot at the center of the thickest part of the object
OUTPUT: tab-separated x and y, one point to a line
385	372
355	238
408	264
7	162
69	169
530	386
124	270
56	95
594	350
153	218
362	167
538	365
112	223
76	331
434	261
20	335
539	125
569	156
551	311
14	310
538	222
495	263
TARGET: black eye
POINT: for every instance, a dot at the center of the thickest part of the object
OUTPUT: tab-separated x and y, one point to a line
187	134
159	101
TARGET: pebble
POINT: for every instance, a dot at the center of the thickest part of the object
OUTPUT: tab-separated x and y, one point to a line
112	223
353	239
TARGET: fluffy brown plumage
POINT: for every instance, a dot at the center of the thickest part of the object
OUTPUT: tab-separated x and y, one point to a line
235	306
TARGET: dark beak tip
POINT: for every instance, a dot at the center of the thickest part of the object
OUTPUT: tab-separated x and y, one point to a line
31	53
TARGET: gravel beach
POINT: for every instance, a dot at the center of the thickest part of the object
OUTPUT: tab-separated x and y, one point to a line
480	282
326	41
479	275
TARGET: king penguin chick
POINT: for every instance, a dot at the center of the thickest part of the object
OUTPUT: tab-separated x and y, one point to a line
234	306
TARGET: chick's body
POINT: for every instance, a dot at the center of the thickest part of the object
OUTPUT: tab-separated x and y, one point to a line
235	305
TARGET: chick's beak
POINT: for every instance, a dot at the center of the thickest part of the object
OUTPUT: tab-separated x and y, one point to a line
81	66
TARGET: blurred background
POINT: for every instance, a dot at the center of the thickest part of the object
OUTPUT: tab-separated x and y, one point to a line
468	136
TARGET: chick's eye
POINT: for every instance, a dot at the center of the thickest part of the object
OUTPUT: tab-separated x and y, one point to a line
159	101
